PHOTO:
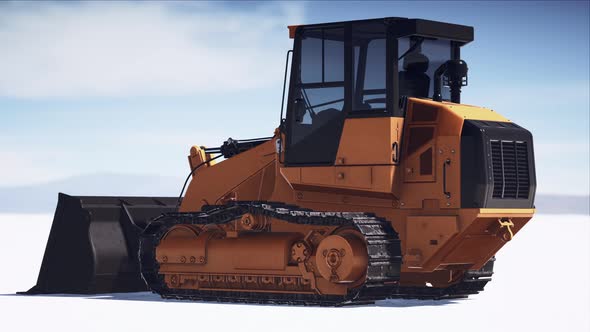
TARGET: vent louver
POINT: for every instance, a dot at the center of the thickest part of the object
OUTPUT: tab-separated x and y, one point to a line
510	169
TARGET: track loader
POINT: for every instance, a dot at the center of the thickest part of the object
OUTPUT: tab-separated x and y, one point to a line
378	183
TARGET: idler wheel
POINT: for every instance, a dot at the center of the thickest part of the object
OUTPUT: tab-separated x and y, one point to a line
342	258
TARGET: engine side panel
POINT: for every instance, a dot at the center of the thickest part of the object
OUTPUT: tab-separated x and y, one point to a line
422	196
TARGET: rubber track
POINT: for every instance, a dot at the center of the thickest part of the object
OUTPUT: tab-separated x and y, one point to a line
383	248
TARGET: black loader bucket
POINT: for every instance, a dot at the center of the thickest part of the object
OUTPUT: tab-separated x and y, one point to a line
93	244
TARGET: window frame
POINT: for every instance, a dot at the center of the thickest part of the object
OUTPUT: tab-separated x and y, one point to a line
294	86
390	52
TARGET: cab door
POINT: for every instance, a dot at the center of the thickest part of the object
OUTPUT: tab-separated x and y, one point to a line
316	114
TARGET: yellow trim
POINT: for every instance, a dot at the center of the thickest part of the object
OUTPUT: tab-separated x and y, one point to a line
475	113
507	211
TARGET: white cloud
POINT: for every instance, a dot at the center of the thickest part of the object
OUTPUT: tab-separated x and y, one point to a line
123	49
33	167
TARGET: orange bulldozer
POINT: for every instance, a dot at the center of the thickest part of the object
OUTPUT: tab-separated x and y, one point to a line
378	183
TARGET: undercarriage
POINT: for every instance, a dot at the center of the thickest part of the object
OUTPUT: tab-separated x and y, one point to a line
225	254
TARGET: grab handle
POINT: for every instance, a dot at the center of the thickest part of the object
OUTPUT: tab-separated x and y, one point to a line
446	163
395	148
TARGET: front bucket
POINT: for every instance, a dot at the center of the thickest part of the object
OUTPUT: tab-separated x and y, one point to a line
93	244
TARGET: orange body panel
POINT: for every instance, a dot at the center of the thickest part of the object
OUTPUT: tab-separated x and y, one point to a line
439	239
247	176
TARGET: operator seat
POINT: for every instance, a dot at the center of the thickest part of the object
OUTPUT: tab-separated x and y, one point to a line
413	82
325	116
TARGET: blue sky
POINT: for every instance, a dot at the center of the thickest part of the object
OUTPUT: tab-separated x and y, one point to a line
120	87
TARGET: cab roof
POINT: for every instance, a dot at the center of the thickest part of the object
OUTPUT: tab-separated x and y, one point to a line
400	27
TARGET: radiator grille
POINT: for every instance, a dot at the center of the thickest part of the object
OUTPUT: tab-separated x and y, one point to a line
510	169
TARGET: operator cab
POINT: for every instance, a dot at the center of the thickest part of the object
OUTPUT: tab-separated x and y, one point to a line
365	69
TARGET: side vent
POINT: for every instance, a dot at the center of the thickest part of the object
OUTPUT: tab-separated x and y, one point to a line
419	136
426	162
424	113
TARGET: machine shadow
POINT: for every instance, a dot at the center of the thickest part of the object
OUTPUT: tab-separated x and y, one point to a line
151	297
403	303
